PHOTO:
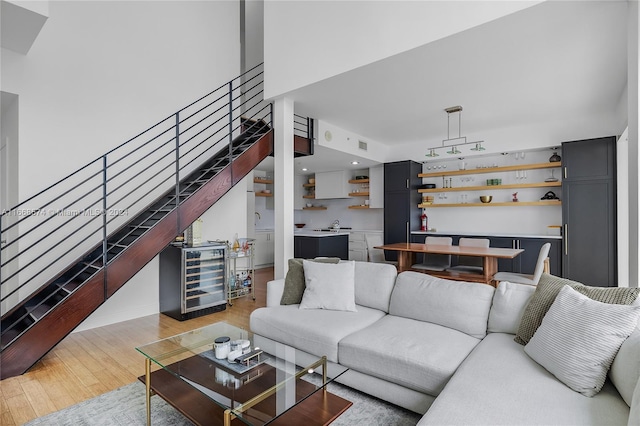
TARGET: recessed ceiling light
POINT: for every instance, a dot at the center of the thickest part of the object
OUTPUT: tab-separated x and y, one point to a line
355	162
304	169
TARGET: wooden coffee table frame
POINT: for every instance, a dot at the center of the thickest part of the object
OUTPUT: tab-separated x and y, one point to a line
315	408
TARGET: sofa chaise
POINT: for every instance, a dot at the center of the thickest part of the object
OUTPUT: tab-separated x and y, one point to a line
445	349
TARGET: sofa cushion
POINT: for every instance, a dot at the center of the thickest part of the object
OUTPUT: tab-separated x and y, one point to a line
634	413
547	289
498	384
374	284
508	305
455	304
329	286
579	338
294	283
625	370
316	331
415	354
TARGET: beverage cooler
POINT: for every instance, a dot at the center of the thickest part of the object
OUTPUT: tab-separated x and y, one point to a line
192	280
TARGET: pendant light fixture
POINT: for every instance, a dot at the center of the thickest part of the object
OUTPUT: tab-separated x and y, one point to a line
454	143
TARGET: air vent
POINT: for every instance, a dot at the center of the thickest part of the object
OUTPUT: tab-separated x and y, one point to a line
362	145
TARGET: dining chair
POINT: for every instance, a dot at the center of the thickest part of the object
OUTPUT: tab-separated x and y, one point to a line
471	264
435	262
376	255
532	279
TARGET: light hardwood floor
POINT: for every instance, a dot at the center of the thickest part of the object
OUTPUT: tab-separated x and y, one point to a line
92	362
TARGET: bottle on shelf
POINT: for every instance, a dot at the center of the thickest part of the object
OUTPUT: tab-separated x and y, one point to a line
423	221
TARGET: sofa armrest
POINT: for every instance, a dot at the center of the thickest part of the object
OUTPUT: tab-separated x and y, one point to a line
275	289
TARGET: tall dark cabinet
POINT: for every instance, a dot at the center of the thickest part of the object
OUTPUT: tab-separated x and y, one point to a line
589	211
401	199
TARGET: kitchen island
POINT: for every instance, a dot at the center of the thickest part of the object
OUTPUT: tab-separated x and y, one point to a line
310	244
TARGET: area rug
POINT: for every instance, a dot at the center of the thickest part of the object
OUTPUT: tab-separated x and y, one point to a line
125	406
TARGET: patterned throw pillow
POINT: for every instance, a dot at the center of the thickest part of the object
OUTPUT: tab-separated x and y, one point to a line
579	338
294	283
546	292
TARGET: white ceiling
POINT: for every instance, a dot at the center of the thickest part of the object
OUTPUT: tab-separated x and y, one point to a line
533	66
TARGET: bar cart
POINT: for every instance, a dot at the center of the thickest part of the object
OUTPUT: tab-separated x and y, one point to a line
241	267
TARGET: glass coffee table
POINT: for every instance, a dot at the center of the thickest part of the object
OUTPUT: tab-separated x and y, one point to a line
256	389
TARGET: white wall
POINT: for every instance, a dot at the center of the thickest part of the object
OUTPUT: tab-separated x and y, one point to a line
348	142
530	220
99	73
343	35
359	219
102	71
532	136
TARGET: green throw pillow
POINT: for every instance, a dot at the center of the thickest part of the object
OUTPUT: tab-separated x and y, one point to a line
548	288
294	283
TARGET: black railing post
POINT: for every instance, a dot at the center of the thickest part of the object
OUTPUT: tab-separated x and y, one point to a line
231	127
2	241
178	169
310	132
104	225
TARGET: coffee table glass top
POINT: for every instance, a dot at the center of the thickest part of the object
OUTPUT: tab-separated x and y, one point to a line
255	391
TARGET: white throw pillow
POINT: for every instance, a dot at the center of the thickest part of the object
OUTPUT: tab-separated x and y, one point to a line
509	302
579	338
329	286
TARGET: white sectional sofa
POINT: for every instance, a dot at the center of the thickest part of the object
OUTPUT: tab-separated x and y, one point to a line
444	349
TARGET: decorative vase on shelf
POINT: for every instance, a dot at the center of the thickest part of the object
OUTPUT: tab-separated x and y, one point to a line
555	158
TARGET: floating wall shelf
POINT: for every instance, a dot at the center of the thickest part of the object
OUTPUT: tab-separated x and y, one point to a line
492	170
492	187
507	204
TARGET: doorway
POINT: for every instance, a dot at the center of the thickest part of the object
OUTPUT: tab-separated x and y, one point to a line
8	194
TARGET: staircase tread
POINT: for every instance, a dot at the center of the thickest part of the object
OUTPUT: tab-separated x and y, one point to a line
39	311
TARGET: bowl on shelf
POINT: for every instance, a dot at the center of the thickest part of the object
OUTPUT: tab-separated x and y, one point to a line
266	191
312	181
299	225
486	198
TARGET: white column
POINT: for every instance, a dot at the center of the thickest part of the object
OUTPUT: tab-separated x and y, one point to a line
632	114
283	184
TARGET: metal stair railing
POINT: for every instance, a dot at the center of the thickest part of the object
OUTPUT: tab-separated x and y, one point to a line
47	233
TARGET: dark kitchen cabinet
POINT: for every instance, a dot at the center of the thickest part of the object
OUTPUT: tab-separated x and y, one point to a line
328	246
525	262
589	211
401	199
506	265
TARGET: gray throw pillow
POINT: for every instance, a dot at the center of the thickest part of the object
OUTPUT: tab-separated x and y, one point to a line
294	283
548	288
579	338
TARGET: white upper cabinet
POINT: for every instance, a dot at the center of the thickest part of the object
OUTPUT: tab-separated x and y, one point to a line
332	185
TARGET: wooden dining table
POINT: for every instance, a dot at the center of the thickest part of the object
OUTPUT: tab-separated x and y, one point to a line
407	253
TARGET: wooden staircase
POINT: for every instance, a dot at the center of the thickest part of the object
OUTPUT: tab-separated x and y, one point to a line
37	324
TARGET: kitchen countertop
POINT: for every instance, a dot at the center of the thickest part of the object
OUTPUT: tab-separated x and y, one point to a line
311	233
487	234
